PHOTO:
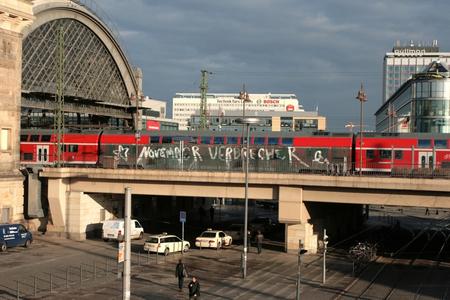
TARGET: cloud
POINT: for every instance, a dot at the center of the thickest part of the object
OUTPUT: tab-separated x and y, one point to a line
320	50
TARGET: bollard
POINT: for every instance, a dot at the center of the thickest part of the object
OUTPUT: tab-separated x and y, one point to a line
35	285
67	278
18	291
51	283
95	270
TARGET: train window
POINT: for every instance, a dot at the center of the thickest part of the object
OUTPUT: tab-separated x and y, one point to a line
24	137
424	143
34	138
167	140
440	144
286	141
70	148
398	154
154	139
370	154
45	138
385	154
232	140
260	140
273	141
219	140
28	156
205	140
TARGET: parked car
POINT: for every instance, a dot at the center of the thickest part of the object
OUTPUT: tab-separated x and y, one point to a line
263	224
164	243
236	231
213	239
114	230
12	235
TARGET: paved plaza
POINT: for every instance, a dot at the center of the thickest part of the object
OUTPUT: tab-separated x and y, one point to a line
271	275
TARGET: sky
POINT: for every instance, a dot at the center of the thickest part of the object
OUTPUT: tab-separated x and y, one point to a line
320	50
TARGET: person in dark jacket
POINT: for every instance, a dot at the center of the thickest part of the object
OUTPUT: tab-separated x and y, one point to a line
259	241
180	273
194	289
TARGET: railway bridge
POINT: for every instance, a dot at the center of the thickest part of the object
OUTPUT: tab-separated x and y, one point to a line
76	195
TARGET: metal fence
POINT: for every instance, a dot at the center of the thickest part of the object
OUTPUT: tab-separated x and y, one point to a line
84	275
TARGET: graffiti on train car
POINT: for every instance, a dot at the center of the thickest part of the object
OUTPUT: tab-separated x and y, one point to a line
213	153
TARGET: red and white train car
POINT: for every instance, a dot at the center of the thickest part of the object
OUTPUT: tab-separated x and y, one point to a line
386	152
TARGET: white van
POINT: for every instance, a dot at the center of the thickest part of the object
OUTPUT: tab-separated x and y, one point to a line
113	229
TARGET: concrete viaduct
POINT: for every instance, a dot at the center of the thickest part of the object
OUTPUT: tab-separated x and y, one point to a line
75	195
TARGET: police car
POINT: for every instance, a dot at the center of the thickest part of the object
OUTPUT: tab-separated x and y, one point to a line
12	235
164	243
213	239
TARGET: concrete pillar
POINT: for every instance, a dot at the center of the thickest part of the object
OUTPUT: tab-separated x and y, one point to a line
57	204
14	16
84	214
293	212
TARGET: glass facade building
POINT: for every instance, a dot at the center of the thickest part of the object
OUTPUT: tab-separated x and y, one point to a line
422	104
406	60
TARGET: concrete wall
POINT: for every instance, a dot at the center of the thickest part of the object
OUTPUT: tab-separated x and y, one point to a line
14	16
85	212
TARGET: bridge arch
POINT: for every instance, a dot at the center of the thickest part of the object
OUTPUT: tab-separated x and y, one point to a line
96	72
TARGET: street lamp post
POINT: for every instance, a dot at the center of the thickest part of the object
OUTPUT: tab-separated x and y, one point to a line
246	122
244	96
362	97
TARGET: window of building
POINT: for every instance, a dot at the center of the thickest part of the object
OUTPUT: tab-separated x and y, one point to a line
286	141
273	141
5	139
24	137
398	154
218	140
370	154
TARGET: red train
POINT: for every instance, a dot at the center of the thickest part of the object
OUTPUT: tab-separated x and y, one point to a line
318	151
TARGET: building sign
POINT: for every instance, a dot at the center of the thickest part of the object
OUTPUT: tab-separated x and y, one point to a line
409	52
152	125
290	107
271	101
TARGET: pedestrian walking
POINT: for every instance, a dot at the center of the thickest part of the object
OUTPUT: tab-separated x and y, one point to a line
194	289
259	241
211	214
180	273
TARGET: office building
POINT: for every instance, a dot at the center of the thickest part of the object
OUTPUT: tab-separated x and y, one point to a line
287	121
405	60
421	104
186	105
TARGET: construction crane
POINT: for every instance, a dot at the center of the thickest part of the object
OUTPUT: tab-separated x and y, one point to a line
203	104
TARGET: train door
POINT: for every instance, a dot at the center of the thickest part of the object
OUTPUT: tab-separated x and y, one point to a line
426	160
42	153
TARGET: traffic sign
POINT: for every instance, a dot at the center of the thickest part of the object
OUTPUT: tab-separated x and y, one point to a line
182	216
121	252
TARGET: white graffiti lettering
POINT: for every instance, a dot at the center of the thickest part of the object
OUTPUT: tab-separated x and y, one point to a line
121	153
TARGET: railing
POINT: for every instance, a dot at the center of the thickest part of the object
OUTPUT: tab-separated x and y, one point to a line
264	159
